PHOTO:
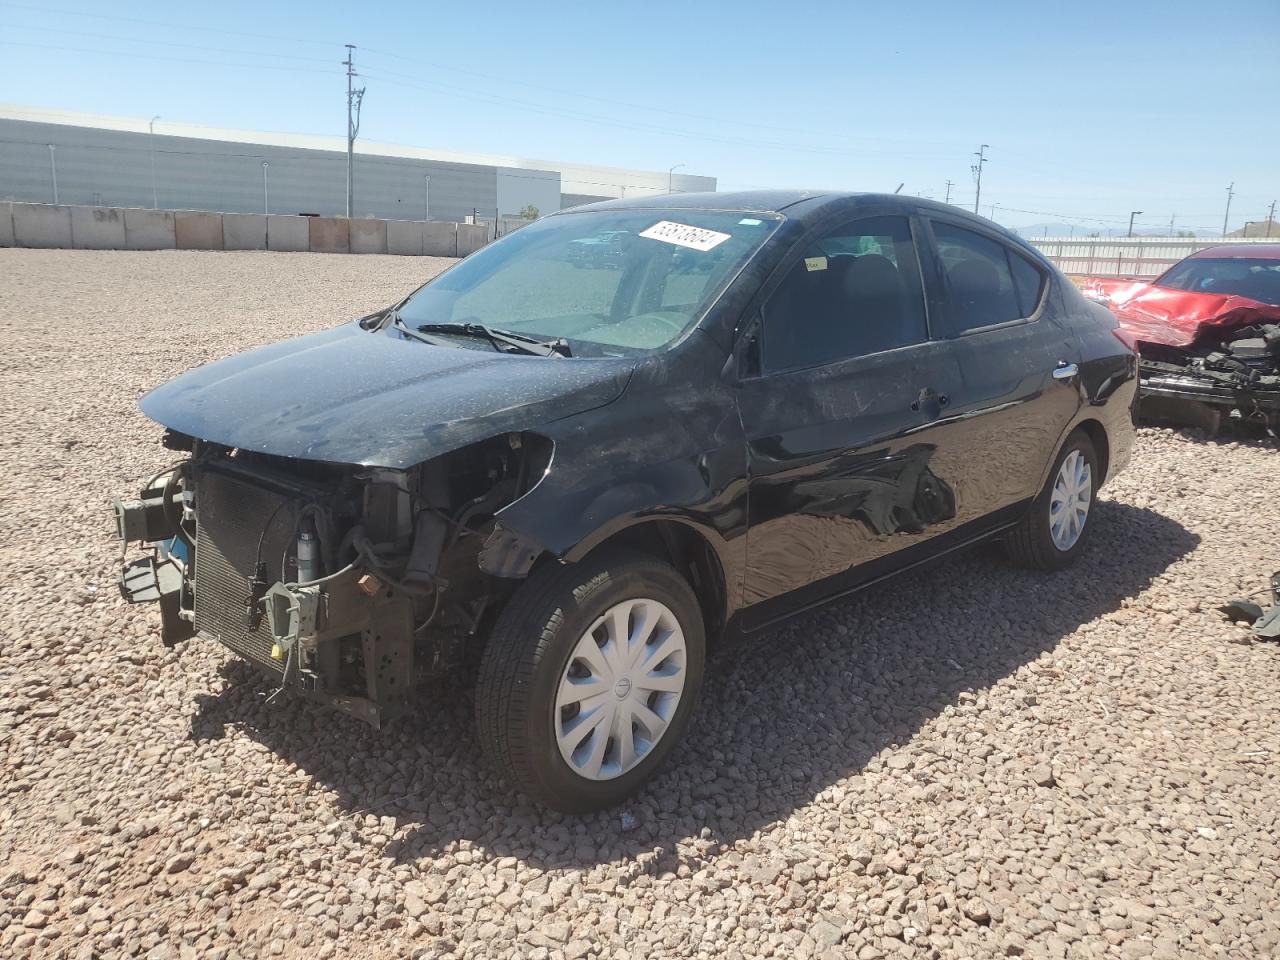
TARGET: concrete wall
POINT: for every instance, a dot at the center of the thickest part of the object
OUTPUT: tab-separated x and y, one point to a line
97	228
244	231
367	236
149	230
113	228
404	237
41	225
288	234
329	235
440	239
198	231
471	237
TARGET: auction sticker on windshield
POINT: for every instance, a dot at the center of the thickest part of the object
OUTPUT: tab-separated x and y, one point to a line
683	235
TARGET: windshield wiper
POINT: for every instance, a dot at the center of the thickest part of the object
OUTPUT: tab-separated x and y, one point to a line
408	331
538	348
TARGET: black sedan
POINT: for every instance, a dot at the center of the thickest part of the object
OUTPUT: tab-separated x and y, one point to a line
562	483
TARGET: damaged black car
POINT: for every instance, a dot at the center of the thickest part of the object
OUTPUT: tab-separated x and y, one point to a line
561	484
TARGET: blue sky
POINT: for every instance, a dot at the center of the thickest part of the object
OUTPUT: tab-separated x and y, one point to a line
1091	110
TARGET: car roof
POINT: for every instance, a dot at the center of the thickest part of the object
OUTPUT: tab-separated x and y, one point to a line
1239	251
800	204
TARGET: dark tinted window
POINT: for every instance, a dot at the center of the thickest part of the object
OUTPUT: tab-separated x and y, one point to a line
855	291
1028	281
986	282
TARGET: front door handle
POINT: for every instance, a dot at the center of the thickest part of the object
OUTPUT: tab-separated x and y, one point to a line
1065	371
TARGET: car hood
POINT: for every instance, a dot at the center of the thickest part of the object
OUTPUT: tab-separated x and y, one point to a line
1176	318
353	396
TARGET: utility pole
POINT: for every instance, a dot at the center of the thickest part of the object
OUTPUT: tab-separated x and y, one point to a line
1271	215
354	99
948	197
1230	193
155	196
671	175
1132	214
980	153
266	205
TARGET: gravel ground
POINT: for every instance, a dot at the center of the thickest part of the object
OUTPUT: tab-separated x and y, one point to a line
970	761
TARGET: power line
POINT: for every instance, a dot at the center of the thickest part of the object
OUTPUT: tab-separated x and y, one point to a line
203	28
491	78
156	56
165	43
560	91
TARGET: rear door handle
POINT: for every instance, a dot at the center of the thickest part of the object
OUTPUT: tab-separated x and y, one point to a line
1065	371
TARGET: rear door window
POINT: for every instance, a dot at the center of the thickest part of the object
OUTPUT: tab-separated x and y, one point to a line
987	283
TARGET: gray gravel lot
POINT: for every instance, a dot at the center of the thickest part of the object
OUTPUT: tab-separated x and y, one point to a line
969	761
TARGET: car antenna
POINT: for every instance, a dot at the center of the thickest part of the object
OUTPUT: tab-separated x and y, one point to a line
900	186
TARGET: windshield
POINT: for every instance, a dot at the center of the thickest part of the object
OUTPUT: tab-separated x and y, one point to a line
1255	279
610	283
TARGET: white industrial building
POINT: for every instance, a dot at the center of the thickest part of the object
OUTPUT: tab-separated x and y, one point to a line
49	156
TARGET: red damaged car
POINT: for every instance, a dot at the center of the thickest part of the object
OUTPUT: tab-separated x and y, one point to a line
1208	331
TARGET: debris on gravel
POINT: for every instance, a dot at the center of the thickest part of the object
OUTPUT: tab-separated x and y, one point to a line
971	760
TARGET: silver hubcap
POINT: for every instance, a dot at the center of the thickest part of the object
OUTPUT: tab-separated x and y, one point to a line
1069	502
620	689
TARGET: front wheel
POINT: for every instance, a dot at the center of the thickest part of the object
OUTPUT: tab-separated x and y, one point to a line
1055	528
589	678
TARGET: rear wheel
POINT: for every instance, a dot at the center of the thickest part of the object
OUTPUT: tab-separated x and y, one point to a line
589	678
1055	529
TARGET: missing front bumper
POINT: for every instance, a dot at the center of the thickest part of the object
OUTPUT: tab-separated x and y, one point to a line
1196	401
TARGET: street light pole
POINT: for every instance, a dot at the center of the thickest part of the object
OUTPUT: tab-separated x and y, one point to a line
426	198
53	170
1226	216
155	196
266	206
1132	214
671	176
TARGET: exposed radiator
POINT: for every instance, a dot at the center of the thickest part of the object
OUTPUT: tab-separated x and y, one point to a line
230	517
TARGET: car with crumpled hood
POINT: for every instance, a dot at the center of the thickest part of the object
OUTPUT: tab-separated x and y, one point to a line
554	486
1208	331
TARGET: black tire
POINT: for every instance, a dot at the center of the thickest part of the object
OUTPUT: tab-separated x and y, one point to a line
528	653
1031	543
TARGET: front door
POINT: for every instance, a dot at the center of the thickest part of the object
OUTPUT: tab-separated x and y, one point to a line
847	418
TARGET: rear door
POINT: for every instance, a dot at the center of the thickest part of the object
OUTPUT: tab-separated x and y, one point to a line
845	414
1018	359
